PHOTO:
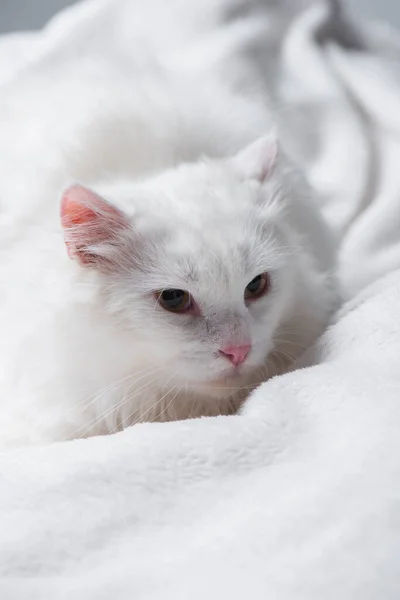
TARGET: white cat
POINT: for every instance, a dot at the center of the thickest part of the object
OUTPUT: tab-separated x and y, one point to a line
180	275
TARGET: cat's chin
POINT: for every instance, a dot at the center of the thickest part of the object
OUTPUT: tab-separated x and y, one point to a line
232	384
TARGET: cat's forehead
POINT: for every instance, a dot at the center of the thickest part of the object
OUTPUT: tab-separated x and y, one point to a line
224	255
207	224
199	193
208	220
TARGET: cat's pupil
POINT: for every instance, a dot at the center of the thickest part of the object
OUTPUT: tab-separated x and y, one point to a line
173	298
254	284
257	287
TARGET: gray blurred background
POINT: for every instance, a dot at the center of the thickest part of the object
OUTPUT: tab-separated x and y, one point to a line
16	15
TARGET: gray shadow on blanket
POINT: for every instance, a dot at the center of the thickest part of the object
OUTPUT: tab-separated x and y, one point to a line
18	15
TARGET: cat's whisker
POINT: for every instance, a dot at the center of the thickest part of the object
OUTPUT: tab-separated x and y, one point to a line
286	342
95	397
165	410
106	389
157	402
105	414
154	404
129	397
187	392
285	355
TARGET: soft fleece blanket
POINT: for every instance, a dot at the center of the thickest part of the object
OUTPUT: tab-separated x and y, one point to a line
298	497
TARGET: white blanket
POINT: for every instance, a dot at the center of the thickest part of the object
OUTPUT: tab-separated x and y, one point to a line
298	497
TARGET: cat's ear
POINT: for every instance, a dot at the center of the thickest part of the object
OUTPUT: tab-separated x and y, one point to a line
93	228
258	160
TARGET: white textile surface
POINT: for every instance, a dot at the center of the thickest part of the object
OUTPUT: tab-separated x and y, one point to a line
298	497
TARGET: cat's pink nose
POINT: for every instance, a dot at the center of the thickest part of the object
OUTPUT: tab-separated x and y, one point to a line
236	354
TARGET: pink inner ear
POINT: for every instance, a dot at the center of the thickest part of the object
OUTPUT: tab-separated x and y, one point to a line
88	221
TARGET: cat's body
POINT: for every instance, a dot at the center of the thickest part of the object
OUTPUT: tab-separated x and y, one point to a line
85	347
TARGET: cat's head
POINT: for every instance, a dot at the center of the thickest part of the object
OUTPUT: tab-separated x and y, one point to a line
196	262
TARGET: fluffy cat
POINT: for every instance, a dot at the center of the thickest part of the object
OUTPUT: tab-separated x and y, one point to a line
178	274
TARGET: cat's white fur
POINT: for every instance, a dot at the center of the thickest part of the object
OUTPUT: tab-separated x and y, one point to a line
87	350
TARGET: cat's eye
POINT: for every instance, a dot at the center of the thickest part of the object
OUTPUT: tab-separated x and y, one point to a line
177	301
257	287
